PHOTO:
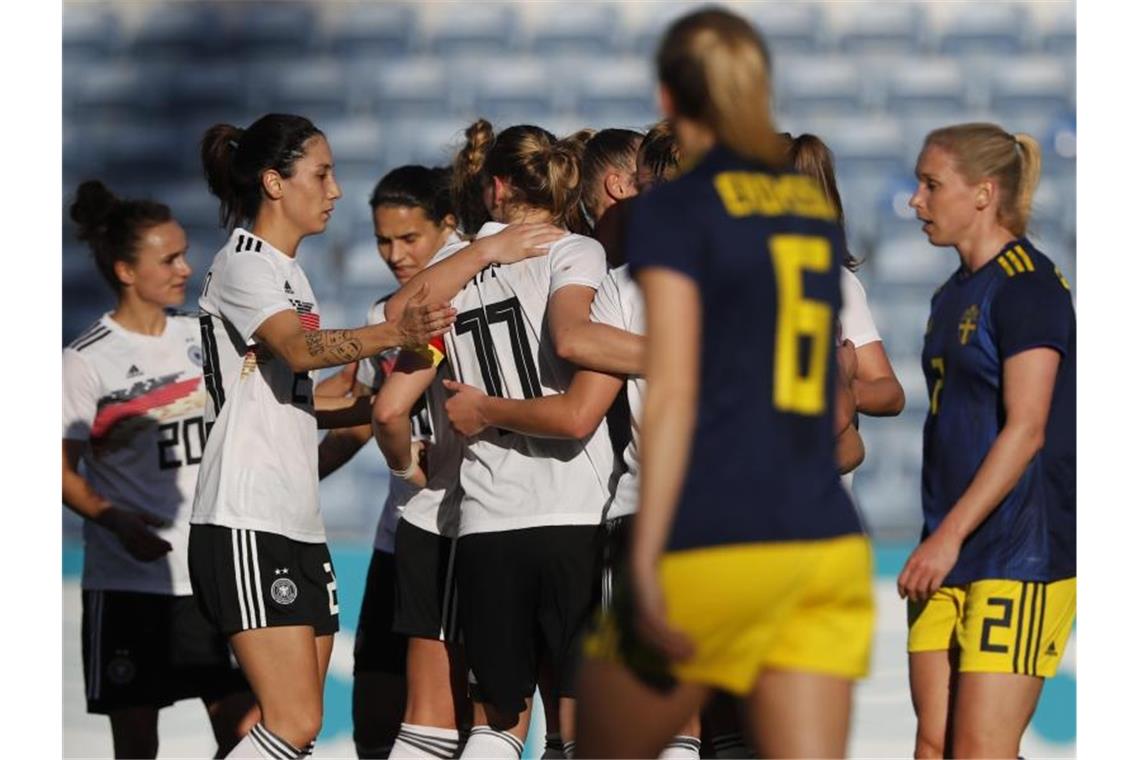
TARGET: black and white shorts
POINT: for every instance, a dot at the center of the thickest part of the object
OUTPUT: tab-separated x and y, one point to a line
152	650
525	595
376	648
246	579
425	584
615	550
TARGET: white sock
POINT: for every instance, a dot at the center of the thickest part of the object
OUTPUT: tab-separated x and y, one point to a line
730	746
553	747
682	747
568	746
486	742
425	742
260	742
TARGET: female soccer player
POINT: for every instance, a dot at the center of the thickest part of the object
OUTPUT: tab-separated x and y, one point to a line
258	561
992	586
738	264
531	507
609	167
132	414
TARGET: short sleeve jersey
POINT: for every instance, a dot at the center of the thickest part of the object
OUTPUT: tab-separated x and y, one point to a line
259	470
856	325
619	304
434	508
1017	301
500	344
137	402
765	251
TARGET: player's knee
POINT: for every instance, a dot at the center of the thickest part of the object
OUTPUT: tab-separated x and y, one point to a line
298	724
928	746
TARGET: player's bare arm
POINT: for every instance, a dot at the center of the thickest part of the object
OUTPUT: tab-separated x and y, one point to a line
573	414
341	445
391	424
446	278
305	350
877	390
1027	382
590	344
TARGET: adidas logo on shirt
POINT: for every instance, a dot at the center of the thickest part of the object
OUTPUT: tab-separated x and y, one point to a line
288	288
133	371
1051	651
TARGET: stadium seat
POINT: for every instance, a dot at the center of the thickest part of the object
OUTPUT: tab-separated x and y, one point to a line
813	86
116	93
474	29
868	145
270	30
1031	86
574	28
419	141
91	32
613	87
888	484
928	87
647	23
991	29
370	29
180	32
875	27
357	145
788	28
1058	32
906	258
404	87
507	89
316	89
211	93
363	267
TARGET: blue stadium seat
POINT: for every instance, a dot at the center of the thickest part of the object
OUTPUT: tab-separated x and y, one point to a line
91	32
868	145
357	145
576	28
1031	86
370	29
406	87
474	29
996	29
193	206
138	152
928	87
648	21
180	32
212	93
613	87
907	259
788	28
1058	33
427	142
266	30
507	89
364	268
887	485
876	27
116	93
316	89
814	86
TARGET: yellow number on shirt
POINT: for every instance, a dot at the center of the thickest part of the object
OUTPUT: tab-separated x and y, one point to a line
939	366
796	318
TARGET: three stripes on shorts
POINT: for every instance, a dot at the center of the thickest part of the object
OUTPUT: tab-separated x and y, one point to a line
247	577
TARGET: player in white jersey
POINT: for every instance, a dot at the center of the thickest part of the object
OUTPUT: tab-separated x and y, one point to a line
407	621
258	558
531	508
133	407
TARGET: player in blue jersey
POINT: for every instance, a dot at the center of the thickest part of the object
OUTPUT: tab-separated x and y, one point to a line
992	586
749	570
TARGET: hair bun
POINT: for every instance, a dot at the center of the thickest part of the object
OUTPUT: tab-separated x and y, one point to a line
93	204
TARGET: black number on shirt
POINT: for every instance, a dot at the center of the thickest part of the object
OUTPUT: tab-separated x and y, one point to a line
1002	622
477	323
194	432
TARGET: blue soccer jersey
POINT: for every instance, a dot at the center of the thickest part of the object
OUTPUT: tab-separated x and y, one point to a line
765	251
1017	301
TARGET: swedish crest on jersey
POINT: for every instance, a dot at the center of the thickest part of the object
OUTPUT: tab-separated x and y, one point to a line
968	324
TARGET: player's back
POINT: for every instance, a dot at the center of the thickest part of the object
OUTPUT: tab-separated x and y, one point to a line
764	250
501	344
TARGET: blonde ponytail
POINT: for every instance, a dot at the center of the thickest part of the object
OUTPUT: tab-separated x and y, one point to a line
1029	151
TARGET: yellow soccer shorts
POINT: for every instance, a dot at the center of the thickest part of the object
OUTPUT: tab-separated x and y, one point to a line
803	606
999	626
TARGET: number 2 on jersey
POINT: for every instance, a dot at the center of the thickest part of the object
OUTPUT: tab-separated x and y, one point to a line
798	317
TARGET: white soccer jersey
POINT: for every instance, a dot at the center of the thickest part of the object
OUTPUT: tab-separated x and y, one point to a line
500	344
618	303
434	508
859	327
137	401
259	471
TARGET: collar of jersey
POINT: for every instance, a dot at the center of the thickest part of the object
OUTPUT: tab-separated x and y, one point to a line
489	228
118	329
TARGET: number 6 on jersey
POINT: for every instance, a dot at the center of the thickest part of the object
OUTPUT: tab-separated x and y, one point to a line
798	317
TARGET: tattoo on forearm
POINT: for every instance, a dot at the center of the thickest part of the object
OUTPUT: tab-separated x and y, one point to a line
337	344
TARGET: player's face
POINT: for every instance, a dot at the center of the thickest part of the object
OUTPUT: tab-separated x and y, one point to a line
160	270
944	201
309	195
407	239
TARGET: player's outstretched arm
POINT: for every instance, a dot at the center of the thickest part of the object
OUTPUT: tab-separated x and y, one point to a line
446	278
589	344
305	350
391	423
1027	393
573	414
131	528
877	390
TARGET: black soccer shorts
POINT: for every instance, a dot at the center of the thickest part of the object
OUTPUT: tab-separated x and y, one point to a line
425	584
152	650
247	579
376	648
525	595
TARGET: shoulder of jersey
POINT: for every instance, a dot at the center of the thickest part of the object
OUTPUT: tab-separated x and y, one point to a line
183	313
90	336
378	306
1023	260
244	241
574	240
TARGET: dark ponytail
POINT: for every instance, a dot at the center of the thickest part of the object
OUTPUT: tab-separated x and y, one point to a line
234	160
112	227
